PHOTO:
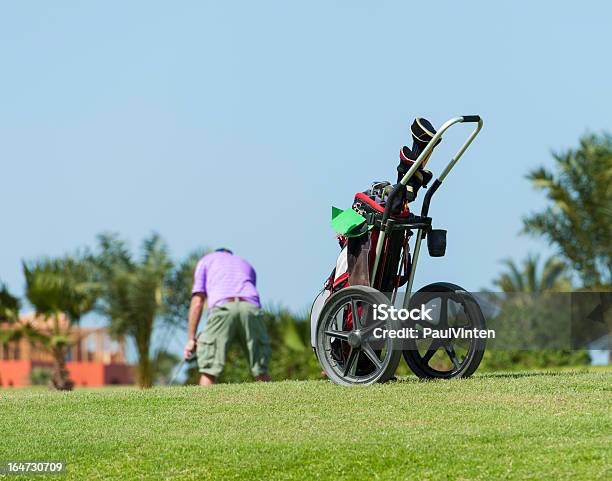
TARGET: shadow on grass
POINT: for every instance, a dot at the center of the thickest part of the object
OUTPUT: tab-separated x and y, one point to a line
522	374
497	375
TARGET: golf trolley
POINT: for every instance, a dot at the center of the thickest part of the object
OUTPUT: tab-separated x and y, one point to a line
375	262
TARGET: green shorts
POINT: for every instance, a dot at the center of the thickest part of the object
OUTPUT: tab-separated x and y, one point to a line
235	320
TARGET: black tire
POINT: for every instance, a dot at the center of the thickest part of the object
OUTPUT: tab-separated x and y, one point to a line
349	354
446	358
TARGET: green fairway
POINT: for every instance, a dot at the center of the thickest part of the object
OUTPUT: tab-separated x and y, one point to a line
515	426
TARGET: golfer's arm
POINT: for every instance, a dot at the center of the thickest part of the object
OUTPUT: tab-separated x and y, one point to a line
195	313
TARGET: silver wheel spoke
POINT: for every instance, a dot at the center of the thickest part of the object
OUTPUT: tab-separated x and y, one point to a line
352	359
368	351
433	347
371	327
450	350
338	334
355	312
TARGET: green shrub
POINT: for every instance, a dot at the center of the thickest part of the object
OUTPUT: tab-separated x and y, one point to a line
511	360
40	376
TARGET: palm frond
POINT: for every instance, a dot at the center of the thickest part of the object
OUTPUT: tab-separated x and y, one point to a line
530	272
512	280
530	279
62	284
578	217
553	276
9	305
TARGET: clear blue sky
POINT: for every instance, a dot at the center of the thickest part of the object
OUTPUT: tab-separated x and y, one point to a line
241	123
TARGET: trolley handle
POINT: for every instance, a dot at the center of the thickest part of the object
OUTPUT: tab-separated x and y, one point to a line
467	119
425	153
404	181
434	141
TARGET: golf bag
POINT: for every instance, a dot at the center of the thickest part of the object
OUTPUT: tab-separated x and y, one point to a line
356	260
355	263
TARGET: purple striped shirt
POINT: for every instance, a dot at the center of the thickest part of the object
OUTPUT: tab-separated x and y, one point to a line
221	275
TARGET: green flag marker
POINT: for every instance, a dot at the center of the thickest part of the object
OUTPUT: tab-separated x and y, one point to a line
348	222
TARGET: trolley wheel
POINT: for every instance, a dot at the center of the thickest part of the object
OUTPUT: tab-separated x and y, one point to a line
345	345
453	307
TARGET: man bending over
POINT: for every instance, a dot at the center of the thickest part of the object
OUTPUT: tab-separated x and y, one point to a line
228	282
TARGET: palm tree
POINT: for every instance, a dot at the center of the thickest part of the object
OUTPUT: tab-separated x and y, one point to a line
9	313
176	300
62	291
530	280
133	293
9	305
527	318
578	219
178	288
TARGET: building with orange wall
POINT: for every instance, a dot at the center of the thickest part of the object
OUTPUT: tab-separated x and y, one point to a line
94	358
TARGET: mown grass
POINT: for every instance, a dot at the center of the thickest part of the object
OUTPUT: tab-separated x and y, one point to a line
496	426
